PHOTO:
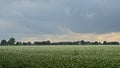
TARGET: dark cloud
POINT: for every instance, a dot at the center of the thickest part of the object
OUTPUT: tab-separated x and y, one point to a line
49	16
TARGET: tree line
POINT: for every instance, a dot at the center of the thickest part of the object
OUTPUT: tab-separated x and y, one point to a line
12	41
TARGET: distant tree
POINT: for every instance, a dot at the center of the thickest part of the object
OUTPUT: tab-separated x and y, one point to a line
43	42
18	43
82	42
76	43
11	41
37	43
29	43
3	42
24	43
96	43
114	43
105	43
88	43
48	42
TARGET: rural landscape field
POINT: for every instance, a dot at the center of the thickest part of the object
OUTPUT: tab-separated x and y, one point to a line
59	33
97	56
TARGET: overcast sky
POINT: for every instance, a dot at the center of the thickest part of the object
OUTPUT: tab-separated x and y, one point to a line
58	20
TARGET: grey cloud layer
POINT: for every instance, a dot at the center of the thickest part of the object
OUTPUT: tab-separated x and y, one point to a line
49	16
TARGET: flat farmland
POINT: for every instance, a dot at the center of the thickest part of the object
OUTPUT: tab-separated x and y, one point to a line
67	56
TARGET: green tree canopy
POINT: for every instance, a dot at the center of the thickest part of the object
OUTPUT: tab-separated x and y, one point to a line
11	41
3	42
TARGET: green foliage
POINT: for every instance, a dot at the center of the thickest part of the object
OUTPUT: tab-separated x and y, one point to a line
3	42
59	56
11	41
